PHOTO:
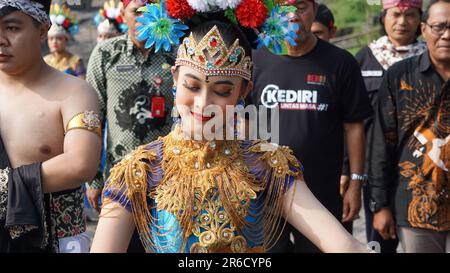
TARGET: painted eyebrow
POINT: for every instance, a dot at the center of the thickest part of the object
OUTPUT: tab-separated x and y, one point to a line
224	82
193	77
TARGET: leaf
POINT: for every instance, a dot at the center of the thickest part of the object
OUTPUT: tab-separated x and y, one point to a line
288	9
231	15
270	5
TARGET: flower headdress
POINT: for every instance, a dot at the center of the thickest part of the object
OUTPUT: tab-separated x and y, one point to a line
163	25
108	19
63	21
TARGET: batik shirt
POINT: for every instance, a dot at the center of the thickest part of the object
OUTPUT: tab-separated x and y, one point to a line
125	82
410	158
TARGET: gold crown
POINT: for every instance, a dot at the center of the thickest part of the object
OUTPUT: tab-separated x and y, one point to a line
211	57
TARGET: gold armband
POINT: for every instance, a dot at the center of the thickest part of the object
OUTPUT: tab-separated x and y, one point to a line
88	120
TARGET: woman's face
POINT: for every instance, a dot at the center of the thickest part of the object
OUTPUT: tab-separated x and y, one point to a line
105	36
203	101
57	43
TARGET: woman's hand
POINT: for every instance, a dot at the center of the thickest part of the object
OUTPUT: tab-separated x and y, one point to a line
114	230
313	220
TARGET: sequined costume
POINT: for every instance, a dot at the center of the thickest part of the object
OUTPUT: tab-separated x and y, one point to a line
219	196
69	64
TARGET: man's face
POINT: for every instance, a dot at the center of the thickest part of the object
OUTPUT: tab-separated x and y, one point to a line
20	42
438	42
304	16
401	25
322	31
130	13
57	43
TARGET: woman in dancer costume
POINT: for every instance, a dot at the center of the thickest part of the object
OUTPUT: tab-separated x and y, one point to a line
189	195
64	27
109	21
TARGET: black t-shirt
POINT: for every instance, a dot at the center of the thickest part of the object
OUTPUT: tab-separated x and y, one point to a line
316	94
373	73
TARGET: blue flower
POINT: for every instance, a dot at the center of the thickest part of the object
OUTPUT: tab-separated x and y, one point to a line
123	28
98	19
276	30
158	28
74	30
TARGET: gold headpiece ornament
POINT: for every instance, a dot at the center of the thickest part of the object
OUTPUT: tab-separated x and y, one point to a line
211	56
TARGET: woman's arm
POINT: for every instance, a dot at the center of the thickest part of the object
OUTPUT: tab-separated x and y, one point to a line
114	230
314	221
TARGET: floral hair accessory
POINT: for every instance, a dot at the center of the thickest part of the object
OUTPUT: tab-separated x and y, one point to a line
63	21
108	19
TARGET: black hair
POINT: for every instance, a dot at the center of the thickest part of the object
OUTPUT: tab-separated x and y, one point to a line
8	10
383	29
45	3
115	24
426	13
324	16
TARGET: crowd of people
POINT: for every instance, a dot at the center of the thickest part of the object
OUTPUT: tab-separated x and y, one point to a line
127	132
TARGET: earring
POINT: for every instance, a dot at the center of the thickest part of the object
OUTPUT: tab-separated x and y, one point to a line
241	103
237	122
175	113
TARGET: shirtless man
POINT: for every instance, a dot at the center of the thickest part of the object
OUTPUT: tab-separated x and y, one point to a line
49	127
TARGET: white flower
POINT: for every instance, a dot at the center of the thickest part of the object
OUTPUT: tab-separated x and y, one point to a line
199	5
110	13
60	19
224	4
52	18
113	13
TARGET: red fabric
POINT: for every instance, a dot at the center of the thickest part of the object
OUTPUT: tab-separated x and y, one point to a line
402	4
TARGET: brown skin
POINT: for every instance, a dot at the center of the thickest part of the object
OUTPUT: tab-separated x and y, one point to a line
36	103
439	46
306	41
57	44
439	51
401	25
93	196
323	32
304	16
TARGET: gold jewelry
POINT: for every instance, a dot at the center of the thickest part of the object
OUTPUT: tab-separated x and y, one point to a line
87	120
211	57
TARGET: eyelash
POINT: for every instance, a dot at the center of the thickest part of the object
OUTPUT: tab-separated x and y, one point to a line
192	89
196	89
12	28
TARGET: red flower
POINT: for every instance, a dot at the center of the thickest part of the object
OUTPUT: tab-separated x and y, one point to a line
104	13
251	13
119	19
66	23
179	9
